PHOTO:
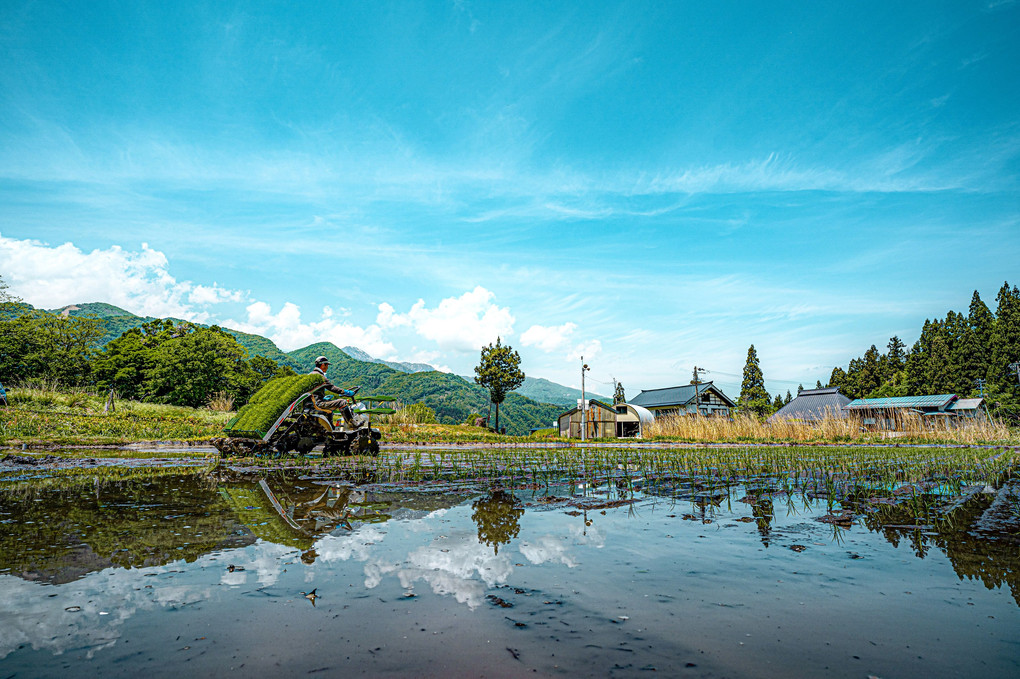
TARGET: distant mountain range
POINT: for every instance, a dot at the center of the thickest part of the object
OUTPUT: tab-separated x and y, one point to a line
536	404
535	388
357	353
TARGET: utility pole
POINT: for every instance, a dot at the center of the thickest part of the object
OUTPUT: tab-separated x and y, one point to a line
584	402
697	394
1016	366
981	386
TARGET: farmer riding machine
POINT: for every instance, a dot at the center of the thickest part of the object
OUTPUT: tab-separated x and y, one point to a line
296	414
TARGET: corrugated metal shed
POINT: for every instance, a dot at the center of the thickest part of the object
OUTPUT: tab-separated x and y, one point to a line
812	405
939	401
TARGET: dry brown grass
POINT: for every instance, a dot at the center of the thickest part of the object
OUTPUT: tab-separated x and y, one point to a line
909	427
221	402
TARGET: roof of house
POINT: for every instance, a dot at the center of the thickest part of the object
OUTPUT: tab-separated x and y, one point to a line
940	401
812	405
966	404
676	396
629	409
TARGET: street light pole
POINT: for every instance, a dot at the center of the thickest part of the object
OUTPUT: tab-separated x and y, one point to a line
584	403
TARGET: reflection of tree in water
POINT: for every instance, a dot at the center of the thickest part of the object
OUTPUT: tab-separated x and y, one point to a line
992	559
497	517
84	524
763	513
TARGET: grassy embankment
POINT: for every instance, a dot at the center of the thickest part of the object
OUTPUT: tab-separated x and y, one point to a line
42	414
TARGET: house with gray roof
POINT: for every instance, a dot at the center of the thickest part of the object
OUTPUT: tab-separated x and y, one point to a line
813	405
703	398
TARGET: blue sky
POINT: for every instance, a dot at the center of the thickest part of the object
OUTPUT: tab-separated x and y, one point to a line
652	185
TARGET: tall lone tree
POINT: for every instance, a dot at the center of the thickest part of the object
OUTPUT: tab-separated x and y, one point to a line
500	372
753	396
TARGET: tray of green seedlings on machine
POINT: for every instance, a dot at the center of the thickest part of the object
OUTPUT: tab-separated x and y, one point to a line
265	407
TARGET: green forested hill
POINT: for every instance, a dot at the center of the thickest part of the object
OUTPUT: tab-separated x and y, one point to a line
97	309
452	397
257	345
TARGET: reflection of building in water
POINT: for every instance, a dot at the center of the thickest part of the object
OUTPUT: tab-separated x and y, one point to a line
498	518
980	536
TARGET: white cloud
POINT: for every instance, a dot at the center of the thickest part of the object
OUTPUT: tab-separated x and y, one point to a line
464	323
590	349
548	339
457	566
288	331
203	294
557	338
138	281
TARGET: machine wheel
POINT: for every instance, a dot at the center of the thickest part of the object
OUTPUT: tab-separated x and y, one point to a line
362	444
336	446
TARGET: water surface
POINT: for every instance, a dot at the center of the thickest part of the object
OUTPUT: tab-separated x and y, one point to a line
161	571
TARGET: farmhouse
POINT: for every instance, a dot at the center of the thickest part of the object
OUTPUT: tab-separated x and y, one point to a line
888	413
813	405
623	420
690	399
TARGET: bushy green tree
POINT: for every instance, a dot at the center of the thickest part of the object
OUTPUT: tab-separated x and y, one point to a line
753	395
189	368
499	371
126	363
36	344
181	365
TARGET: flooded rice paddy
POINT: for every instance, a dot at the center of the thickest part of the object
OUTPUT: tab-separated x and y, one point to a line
514	563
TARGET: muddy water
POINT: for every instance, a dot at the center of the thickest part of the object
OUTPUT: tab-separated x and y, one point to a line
197	573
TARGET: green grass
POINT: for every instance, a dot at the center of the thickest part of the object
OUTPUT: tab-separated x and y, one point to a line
40	414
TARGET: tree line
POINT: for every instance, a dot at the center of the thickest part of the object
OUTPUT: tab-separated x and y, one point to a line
972	354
